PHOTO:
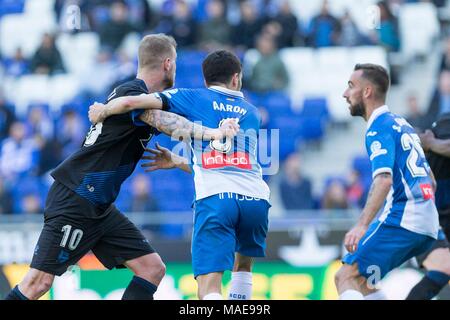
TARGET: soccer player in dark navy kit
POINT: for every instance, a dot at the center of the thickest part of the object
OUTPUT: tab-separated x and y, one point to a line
436	261
79	213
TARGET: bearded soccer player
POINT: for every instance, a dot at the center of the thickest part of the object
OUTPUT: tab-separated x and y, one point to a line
80	215
232	199
402	181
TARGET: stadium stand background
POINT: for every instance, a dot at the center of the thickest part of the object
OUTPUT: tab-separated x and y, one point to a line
59	56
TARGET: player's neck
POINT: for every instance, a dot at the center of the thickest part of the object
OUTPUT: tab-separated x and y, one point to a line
371	107
223	85
152	81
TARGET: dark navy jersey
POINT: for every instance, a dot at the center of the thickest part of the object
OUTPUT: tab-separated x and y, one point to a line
109	153
440	165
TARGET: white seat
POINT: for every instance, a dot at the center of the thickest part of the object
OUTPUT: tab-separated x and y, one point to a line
130	45
251	57
78	51
39	6
335	59
28	89
338	107
24	31
63	88
370	54
419	26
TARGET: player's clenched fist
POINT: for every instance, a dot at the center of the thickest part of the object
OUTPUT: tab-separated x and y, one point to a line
352	237
228	128
96	112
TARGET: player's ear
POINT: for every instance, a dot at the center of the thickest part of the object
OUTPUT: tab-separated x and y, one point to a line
235	80
368	91
167	64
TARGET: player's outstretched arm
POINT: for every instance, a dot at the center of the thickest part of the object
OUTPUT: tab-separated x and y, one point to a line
379	190
98	112
181	128
163	158
439	146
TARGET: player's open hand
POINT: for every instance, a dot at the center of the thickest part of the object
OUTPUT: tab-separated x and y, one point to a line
426	139
229	128
160	158
96	113
353	237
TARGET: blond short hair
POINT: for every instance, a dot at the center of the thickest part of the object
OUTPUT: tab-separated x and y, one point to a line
154	48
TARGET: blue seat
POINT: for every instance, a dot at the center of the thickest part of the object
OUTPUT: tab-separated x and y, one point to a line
289	132
315	107
362	165
315	116
312	129
11	6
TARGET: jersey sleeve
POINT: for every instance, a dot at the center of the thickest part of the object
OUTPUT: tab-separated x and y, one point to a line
179	101
381	150
121	92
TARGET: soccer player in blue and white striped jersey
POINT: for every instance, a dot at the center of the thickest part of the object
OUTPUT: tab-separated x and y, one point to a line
402	181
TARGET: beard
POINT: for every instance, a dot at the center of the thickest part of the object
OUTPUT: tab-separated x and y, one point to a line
168	81
358	109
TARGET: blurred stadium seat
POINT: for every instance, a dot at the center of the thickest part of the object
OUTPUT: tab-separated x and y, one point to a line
417	37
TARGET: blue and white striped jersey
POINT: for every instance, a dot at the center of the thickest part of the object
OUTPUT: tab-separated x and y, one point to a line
395	148
221	166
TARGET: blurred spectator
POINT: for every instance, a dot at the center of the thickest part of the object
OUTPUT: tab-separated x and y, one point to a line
295	189
117	28
335	196
415	117
6	203
19	154
180	24
141	14
39	122
269	73
445	60
388	35
215	31
142	199
350	35
250	24
7	117
289	26
356	190
31	204
49	154
17	65
71	132
440	103
324	29
47	59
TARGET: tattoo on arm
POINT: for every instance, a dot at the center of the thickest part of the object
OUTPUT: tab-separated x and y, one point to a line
173	125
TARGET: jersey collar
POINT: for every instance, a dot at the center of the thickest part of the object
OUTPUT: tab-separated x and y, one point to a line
227	91
376	113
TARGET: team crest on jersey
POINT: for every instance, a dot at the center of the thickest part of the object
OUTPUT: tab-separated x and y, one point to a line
376	150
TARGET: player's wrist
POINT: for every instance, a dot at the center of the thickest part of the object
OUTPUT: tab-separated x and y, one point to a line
362	224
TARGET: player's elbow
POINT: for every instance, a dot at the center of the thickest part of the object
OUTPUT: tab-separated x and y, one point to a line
128	104
384	180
